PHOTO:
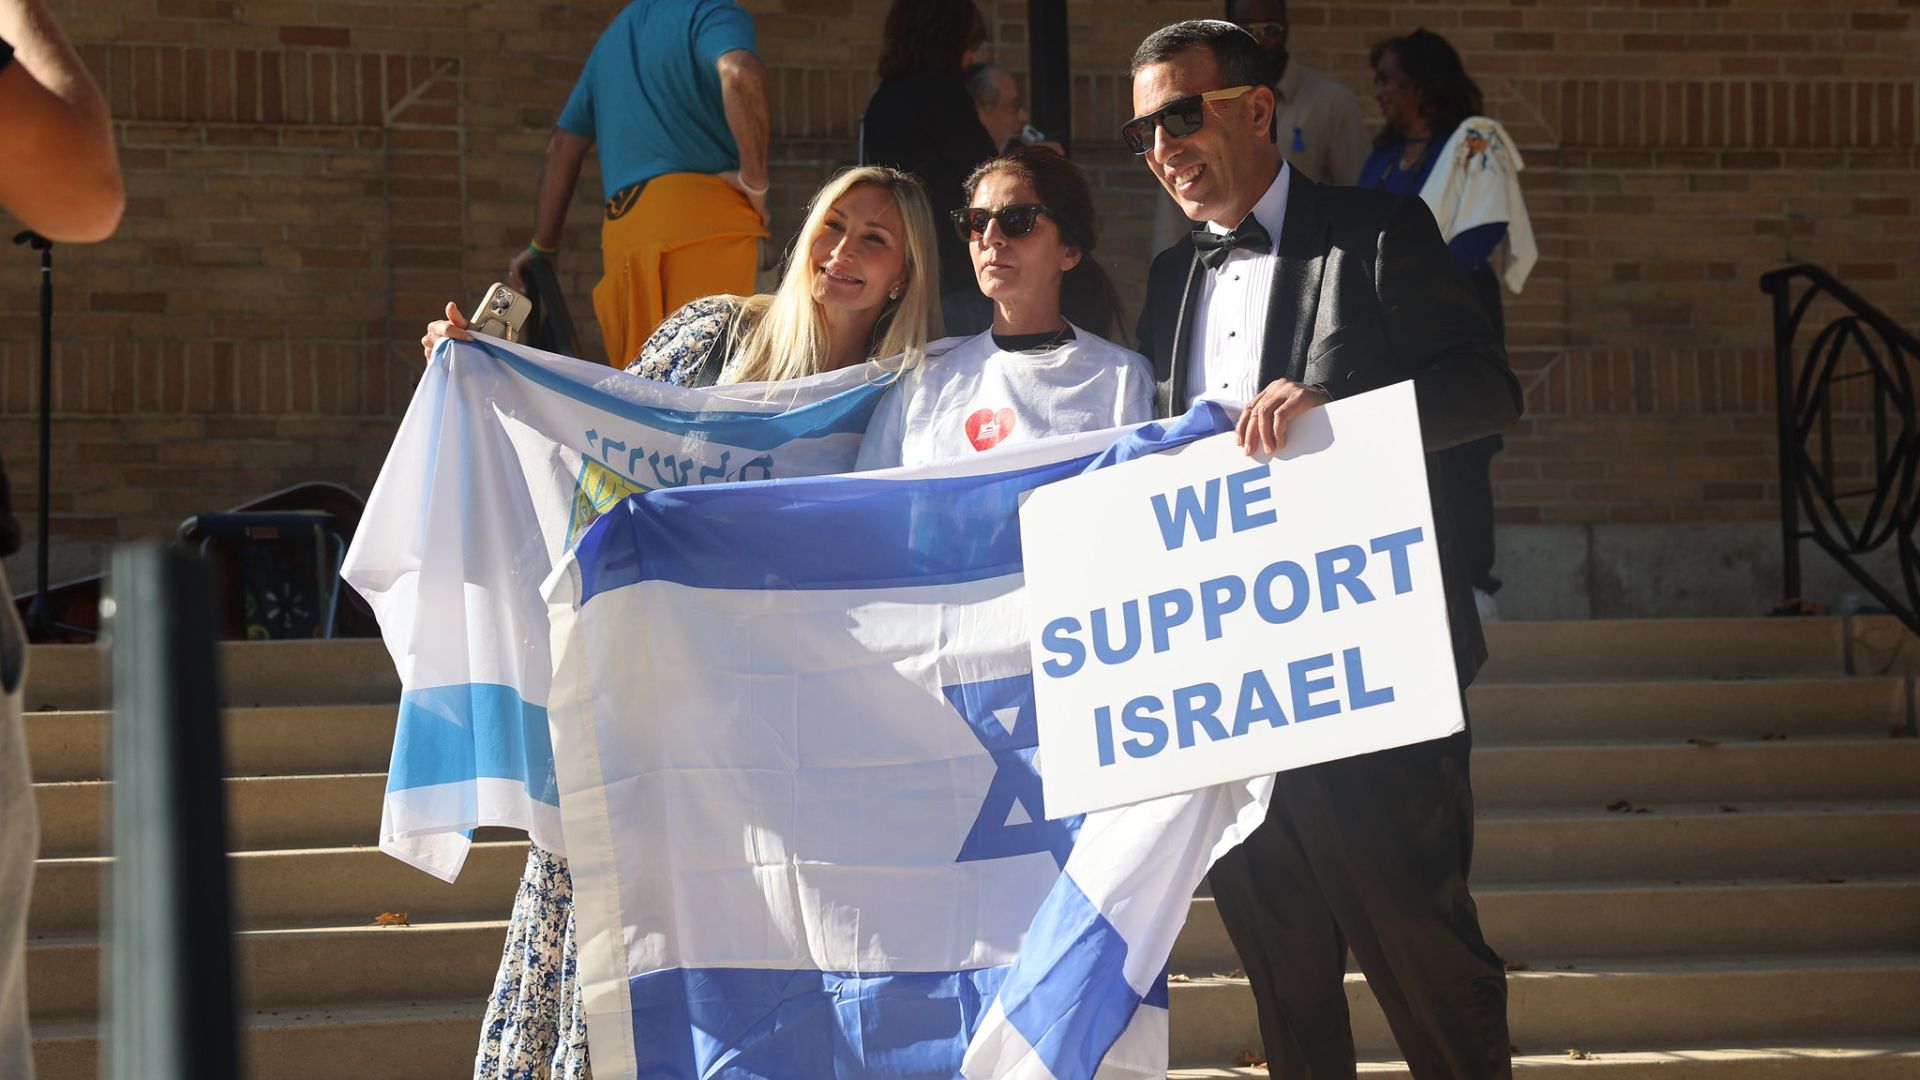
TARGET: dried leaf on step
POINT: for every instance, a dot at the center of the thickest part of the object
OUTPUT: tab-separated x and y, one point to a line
1725	809
1581	1055
1515	965
392	918
1772	736
1704	744
1179	976
1249	1060
1236	973
1621	806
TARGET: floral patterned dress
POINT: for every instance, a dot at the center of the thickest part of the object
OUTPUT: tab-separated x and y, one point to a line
534	1027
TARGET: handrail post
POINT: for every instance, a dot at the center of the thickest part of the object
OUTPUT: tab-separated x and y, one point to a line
1789	463
168	966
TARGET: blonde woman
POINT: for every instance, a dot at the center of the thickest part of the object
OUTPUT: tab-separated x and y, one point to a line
862	282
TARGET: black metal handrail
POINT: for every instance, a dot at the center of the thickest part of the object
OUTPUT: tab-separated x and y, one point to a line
1847	518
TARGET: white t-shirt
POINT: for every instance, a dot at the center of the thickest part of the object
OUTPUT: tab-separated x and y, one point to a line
974	396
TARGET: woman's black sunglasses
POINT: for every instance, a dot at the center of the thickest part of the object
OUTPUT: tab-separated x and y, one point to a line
1181	118
1016	220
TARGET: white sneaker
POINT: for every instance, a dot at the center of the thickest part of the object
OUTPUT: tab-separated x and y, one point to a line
1484	603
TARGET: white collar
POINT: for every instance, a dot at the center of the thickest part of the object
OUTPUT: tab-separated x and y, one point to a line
1271	210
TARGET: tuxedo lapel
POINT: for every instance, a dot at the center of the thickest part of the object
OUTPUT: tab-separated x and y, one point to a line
1302	251
1172	283
1176	389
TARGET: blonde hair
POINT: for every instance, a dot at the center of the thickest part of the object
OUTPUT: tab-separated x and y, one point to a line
784	335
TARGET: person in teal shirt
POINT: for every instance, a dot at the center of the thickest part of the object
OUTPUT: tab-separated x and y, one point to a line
676	100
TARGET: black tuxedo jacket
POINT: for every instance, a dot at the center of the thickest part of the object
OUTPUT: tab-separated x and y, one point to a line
1364	296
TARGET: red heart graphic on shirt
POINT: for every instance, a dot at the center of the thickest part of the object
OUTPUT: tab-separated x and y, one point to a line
986	428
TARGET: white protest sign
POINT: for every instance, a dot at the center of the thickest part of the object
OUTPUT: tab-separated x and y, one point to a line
1198	616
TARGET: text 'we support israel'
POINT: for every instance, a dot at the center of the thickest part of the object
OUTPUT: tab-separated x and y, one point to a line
1292	691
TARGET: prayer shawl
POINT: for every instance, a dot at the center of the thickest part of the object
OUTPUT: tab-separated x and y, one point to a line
1468	189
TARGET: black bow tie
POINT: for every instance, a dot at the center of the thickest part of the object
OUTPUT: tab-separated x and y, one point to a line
1215	247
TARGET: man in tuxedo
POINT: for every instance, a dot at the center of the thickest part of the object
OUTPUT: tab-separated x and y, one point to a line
1288	294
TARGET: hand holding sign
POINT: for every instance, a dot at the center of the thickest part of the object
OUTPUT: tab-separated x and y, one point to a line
1196	620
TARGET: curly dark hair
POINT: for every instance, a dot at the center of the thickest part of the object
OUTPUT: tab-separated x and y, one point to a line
1087	295
929	35
1448	94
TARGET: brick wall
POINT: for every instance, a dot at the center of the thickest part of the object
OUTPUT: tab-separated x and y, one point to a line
309	182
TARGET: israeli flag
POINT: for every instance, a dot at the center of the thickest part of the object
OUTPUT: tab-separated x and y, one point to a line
505	456
796	744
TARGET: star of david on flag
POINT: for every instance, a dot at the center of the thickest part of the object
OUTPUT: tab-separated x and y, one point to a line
1013	818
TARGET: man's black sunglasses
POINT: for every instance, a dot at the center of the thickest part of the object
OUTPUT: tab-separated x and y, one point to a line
1016	220
1181	118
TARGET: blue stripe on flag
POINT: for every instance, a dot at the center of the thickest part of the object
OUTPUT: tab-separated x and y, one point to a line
841	531
778	1024
455	734
1068	994
1157	993
844	413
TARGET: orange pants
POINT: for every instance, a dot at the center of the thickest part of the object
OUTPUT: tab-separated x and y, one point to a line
686	236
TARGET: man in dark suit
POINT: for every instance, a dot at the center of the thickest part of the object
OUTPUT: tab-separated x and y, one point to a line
1289	294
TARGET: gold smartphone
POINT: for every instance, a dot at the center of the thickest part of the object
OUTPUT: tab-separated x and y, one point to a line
502	313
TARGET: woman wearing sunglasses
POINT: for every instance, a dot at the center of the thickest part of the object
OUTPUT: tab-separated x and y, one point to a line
1045	367
862	282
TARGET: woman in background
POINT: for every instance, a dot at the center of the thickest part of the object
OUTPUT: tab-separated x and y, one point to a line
923	120
1436	143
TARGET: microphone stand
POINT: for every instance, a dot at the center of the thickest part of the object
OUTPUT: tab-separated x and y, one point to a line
40	621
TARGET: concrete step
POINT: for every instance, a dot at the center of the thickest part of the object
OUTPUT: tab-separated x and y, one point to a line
1881	645
436	1040
1650	920
295	740
359	670
290	739
1694	842
383	1041
1666	649
263	812
347	671
1686	842
1797	1000
1526	924
310	887
425	1042
1212	1020
1794	769
1838	1059
274	740
301	968
290	811
348	964
1682	708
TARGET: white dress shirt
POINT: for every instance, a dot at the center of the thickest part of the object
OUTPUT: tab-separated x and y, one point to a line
1230	315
